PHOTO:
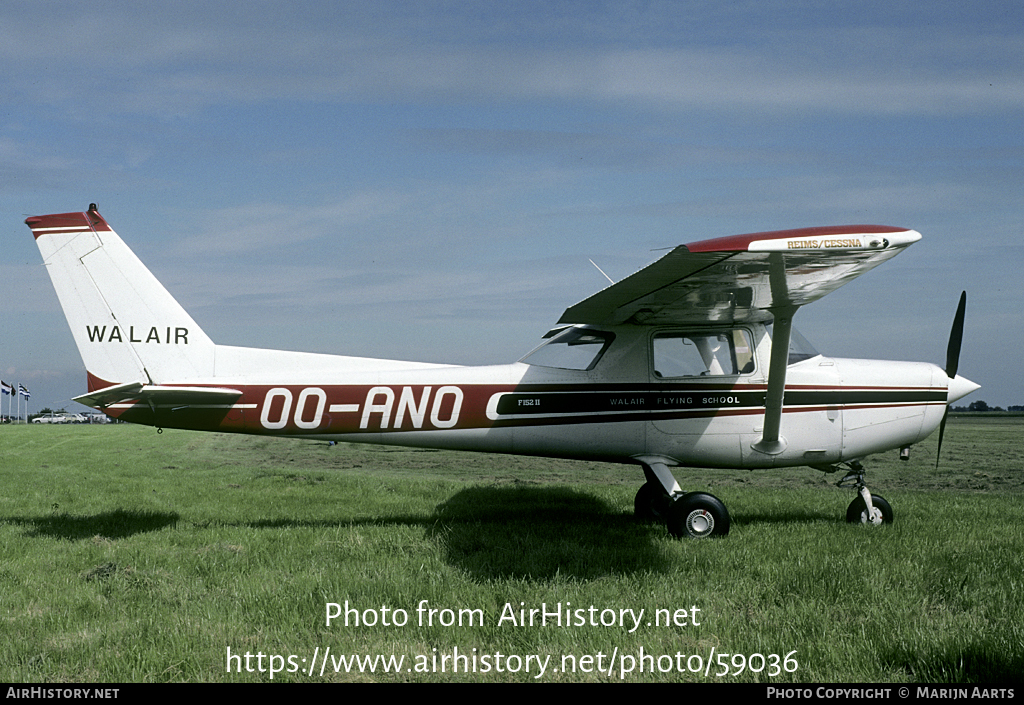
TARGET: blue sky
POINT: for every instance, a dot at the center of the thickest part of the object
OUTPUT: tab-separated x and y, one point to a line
427	180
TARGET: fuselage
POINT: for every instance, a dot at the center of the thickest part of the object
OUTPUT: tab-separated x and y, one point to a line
694	396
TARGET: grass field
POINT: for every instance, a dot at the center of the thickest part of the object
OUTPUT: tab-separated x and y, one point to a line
132	556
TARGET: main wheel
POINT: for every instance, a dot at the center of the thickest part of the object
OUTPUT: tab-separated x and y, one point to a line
698	515
857	512
651	502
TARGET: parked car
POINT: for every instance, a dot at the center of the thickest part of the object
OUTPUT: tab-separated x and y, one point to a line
52	418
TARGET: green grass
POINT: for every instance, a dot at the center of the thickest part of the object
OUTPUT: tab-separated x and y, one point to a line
133	556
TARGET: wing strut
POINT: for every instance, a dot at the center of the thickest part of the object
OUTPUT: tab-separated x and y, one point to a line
772	442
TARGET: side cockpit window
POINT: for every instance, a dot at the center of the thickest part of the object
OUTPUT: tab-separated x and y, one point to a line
703	354
572	349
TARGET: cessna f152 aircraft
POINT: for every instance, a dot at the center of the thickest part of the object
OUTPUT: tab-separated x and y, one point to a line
691	361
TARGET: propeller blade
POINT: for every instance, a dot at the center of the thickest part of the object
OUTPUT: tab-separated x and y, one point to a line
942	430
956	338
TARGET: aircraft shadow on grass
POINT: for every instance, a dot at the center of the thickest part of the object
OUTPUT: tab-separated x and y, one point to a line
522	531
116	524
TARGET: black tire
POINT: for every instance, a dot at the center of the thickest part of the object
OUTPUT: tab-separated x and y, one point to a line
651	502
857	513
698	515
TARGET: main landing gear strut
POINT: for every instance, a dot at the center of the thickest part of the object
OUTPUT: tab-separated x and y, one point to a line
690	515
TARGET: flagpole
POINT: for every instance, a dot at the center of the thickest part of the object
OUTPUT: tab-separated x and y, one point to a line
27	393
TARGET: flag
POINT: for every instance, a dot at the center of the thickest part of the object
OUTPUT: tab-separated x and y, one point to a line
7	388
24	391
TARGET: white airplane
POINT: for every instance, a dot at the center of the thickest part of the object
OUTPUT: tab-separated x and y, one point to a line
689	362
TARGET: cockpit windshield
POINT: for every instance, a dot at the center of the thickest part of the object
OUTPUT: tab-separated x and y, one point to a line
571	349
799	347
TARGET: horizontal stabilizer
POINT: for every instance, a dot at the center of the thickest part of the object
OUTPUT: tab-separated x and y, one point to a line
158	395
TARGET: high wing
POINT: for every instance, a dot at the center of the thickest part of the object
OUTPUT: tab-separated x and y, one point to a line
755	277
743	277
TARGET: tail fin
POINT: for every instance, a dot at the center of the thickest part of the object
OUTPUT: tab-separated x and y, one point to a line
127	326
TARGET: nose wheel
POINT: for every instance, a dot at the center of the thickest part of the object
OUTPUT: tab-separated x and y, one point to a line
866	508
858	512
